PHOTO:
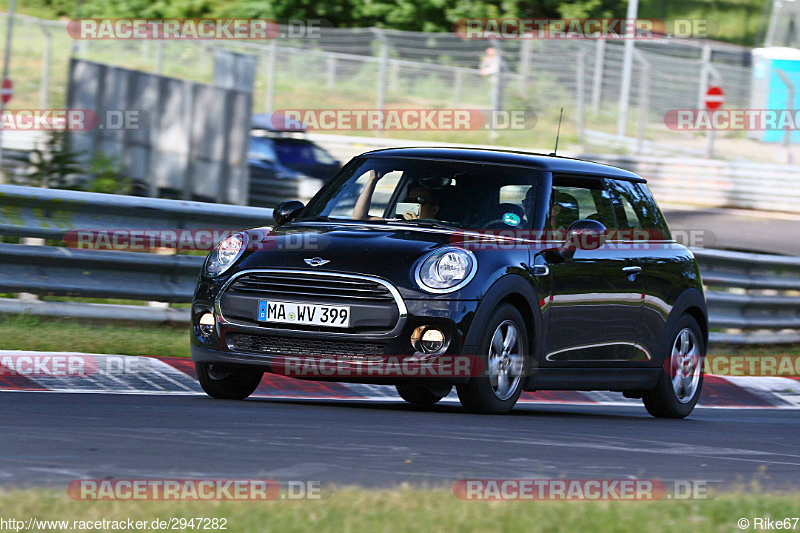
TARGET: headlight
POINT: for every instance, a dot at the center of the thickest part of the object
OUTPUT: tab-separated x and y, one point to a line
226	254
446	270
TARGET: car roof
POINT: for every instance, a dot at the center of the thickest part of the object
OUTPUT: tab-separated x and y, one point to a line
555	164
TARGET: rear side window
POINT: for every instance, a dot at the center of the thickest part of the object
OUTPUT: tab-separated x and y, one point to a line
575	198
636	209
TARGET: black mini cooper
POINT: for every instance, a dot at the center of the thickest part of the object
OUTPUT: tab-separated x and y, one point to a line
493	271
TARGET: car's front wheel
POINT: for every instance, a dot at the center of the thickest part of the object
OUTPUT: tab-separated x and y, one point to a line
227	383
681	380
505	352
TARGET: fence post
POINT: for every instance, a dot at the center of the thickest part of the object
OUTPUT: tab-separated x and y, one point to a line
383	65
787	135
579	68
331	64
644	102
599	63
272	67
159	68
627	64
6	60
458	83
705	61
394	74
497	90
524	66
44	84
705	72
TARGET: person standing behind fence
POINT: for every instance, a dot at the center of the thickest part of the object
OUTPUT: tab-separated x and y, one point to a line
492	66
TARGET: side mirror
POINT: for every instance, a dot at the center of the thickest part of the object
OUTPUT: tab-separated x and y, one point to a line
585	234
287	211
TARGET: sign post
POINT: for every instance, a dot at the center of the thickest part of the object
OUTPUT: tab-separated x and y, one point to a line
713	99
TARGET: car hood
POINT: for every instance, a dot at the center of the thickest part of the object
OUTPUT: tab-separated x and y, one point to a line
387	252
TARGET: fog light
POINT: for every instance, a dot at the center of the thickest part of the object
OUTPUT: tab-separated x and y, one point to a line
428	340
207	324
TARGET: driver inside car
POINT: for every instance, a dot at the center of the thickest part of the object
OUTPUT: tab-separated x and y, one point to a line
427	200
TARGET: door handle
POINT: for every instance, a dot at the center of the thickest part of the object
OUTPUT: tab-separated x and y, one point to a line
541	270
632	269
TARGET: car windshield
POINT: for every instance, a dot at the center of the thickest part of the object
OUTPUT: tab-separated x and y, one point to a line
420	191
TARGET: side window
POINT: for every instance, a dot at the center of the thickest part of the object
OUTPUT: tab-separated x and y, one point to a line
578	198
636	209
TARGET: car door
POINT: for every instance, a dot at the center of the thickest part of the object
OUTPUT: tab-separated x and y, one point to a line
596	296
644	231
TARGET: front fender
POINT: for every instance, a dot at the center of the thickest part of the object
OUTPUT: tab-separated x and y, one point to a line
517	290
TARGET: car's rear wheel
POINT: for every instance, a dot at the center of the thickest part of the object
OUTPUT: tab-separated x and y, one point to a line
422	395
681	380
227	383
505	349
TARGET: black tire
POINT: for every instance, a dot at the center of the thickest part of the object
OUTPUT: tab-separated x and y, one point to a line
421	395
227	383
663	400
478	395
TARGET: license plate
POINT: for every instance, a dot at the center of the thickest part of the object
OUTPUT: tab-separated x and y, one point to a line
306	314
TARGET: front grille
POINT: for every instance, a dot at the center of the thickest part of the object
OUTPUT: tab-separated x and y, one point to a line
283	284
274	345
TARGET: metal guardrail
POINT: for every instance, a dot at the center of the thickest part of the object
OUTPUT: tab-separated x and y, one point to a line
50	213
752	298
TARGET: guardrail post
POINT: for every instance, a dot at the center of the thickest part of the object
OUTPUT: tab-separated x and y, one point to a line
29	241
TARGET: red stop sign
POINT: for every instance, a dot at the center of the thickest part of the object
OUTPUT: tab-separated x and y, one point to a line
7	90
715	97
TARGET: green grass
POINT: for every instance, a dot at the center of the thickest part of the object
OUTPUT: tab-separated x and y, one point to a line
23	332
404	509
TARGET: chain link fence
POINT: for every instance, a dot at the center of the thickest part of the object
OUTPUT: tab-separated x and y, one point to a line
369	68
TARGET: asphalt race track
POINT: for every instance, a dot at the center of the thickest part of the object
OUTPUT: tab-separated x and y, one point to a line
737	229
52	438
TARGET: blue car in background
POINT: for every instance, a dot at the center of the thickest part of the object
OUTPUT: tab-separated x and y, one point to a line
283	164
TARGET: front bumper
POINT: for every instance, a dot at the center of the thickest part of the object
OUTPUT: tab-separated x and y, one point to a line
267	349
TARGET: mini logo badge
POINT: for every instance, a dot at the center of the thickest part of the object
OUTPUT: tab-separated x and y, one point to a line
316	261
